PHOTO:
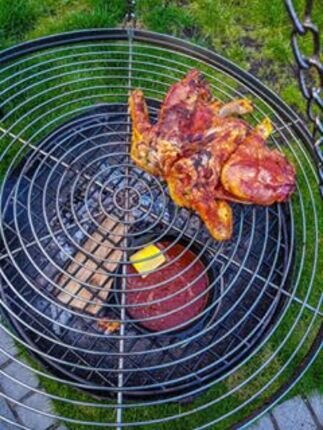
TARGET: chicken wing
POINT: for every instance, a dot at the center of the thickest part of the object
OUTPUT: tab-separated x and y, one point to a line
185	111
144	140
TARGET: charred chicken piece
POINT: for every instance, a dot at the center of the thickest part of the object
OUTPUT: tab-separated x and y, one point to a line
257	174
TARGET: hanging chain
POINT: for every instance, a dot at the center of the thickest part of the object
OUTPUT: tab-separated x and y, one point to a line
310	73
131	18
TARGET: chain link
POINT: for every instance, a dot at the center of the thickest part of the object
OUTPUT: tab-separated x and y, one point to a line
131	18
310	73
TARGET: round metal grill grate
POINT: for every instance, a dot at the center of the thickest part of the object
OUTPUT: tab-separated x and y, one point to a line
74	209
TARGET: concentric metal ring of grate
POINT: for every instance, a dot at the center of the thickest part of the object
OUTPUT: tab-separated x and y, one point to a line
68	178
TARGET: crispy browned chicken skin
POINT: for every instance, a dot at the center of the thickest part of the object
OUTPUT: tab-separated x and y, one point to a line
207	155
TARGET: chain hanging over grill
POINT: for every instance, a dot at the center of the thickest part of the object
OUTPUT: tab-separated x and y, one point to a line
310	74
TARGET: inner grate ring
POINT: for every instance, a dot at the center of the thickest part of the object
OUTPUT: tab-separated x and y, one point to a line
283	215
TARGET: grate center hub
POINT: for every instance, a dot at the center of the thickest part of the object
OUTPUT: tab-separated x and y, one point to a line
126	198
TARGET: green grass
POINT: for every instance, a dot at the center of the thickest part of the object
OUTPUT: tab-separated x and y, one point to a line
243	32
80	15
16	18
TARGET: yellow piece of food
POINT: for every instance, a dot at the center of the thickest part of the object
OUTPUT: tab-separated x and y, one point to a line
147	259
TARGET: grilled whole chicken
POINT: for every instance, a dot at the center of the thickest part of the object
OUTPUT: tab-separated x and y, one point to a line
208	155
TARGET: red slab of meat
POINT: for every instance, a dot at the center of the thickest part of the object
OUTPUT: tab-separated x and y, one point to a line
176	269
